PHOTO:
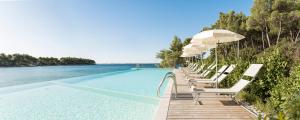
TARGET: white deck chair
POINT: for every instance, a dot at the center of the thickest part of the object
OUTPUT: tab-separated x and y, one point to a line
209	67
222	74
193	68
190	65
196	71
193	65
189	68
236	88
204	73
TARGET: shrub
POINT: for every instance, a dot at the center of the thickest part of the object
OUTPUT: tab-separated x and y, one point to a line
247	56
292	108
235	75
244	96
286	90
276	68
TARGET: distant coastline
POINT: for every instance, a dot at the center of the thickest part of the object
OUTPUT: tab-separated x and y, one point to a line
25	60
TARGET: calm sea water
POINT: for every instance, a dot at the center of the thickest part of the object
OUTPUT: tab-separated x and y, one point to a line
21	75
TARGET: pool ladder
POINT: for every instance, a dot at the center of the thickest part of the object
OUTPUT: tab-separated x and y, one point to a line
168	76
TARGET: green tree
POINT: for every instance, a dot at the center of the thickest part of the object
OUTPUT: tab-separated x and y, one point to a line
258	20
232	21
75	61
279	18
293	26
176	45
27	60
176	48
165	56
186	41
6	60
171	57
23	60
48	61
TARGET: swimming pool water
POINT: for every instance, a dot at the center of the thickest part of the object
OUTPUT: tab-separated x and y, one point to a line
122	95
11	76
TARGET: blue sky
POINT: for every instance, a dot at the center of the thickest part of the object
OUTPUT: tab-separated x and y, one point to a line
108	31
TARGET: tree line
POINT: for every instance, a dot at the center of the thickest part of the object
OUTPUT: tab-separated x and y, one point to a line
18	60
270	22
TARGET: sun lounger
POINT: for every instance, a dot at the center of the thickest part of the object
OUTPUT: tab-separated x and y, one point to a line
203	74
236	88
221	75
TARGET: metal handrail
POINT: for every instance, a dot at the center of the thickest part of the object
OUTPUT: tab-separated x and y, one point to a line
168	75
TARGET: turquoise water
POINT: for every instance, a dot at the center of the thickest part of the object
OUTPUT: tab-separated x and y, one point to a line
119	95
10	76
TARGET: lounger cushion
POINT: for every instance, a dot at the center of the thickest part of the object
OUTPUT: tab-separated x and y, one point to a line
239	85
253	70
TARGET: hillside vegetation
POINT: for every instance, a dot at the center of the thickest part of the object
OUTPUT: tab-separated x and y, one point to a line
272	38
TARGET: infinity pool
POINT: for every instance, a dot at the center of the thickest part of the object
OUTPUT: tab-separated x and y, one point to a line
122	95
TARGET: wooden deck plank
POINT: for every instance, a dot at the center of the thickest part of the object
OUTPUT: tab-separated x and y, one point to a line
212	106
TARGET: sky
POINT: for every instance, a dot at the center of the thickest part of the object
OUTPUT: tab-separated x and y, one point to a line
107	31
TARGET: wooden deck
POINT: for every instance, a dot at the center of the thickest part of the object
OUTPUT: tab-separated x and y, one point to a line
213	107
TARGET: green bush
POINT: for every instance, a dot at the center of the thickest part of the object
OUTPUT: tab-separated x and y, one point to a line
244	96
292	108
246	57
276	68
286	90
235	75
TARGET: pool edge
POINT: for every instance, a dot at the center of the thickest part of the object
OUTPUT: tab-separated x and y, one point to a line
164	102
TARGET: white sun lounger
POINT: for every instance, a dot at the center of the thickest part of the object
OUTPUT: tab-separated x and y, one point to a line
204	73
221	75
191	69
236	88
198	70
